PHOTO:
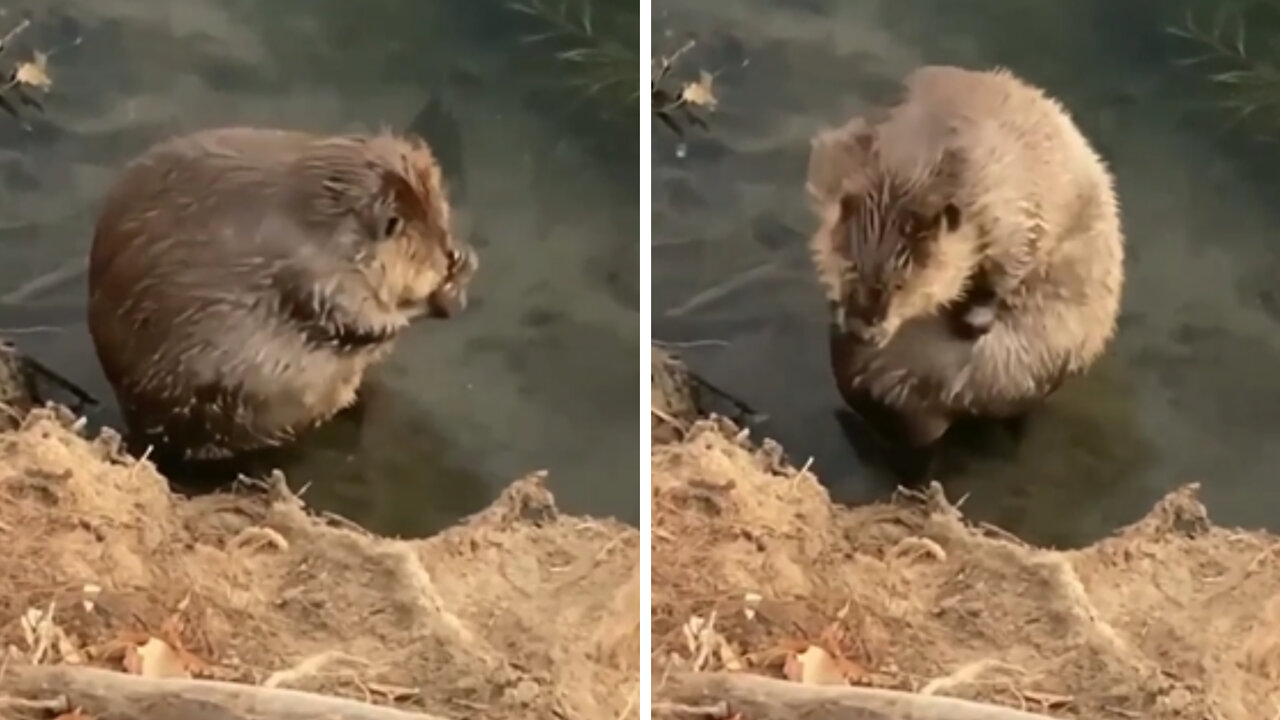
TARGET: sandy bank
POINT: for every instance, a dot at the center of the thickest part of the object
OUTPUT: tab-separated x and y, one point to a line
518	612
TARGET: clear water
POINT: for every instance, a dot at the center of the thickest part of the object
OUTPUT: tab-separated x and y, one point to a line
1188	392
542	370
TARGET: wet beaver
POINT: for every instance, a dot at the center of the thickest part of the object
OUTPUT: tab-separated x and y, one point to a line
971	249
242	280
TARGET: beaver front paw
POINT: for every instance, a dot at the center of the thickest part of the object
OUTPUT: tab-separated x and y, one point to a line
976	313
972	321
323	320
450	299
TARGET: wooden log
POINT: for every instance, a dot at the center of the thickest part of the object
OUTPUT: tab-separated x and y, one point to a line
119	696
716	696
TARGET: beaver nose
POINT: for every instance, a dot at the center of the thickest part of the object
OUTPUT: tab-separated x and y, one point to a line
865	328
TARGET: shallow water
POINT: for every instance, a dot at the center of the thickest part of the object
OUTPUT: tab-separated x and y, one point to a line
540	373
1188	392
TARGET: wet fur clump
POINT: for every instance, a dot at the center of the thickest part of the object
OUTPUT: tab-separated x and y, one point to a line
970	247
242	280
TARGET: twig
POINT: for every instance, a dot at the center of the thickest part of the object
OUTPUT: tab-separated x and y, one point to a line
676	711
666	62
795	477
631	703
728	397
311	666
38	368
66	271
686	344
669	419
717	292
763	698
30	330
55	707
965	675
103	693
14	33
667	105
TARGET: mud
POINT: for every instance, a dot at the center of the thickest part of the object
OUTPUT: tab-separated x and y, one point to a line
517	612
1170	617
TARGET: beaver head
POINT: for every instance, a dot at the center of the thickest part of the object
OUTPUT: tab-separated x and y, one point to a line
384	202
894	243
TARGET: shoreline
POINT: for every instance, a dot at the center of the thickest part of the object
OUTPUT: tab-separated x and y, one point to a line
516	611
757	572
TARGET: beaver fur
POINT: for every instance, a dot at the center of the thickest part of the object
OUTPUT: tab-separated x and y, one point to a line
971	249
242	280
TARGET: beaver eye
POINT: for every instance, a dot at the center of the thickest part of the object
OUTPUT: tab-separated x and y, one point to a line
391	227
910	225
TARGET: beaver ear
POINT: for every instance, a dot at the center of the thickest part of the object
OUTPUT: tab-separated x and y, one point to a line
949	174
850	205
951	217
928	226
387	223
836	159
391	207
945	187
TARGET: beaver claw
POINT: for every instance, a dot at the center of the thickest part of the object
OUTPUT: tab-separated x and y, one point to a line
447	301
450	299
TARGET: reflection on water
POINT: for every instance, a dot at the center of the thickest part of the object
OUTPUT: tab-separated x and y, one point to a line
541	371
1188	391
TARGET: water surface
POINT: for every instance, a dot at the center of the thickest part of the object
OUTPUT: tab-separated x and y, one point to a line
540	373
1188	391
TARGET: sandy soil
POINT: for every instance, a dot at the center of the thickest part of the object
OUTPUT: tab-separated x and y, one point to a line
1171	617
518	612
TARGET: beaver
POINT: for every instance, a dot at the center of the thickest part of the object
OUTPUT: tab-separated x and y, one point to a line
242	280
971	249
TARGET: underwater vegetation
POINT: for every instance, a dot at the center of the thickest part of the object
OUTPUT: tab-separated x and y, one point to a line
596	43
1235	46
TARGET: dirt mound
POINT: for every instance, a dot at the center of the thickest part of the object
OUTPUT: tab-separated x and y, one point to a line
754	569
518	612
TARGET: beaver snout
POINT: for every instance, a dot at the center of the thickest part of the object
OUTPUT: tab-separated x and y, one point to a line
870	335
865	328
845	326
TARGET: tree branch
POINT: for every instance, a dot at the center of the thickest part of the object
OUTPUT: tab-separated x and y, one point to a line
717	696
108	694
